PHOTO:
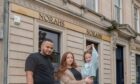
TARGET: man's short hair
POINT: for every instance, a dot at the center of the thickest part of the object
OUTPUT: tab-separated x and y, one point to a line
46	39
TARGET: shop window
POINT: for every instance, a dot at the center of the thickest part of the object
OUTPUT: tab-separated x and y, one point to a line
92	4
55	37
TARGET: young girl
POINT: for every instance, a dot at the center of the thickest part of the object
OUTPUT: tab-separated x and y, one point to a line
91	62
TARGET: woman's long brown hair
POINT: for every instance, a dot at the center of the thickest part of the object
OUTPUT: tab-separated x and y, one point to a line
63	65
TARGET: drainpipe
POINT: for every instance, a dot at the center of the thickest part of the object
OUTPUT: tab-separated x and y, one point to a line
5	40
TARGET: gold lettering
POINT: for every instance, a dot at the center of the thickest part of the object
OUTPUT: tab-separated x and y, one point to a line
56	21
41	17
61	23
46	18
51	19
94	34
89	33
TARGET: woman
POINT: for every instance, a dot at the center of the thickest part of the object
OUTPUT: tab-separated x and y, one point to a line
68	73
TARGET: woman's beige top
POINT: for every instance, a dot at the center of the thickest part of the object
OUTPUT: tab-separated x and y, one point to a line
68	78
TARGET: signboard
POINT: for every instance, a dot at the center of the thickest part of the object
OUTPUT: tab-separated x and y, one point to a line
50	19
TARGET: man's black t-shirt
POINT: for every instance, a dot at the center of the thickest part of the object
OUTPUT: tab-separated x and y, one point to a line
41	67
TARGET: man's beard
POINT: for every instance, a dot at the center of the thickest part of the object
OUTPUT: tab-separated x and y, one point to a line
46	54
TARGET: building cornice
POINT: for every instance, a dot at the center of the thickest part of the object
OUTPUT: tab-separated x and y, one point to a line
124	30
136	2
79	16
59	22
86	8
127	31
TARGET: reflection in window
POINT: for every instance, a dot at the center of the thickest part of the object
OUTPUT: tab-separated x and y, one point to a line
92	4
118	10
137	69
136	19
55	37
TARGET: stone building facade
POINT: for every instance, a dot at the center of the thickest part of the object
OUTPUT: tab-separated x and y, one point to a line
112	25
1	39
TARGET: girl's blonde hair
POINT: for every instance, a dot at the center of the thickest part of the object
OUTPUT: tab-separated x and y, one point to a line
86	52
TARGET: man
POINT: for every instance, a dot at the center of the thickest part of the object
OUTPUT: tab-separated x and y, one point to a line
38	66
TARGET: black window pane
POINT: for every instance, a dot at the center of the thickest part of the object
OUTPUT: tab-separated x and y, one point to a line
138	69
55	37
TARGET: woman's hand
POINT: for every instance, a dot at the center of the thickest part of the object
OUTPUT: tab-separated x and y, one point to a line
89	80
92	46
88	47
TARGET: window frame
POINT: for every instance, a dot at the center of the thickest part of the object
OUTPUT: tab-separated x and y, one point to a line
45	30
96	5
99	48
118	6
137	19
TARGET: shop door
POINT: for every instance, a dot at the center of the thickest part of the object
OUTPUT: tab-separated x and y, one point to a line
119	65
138	69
